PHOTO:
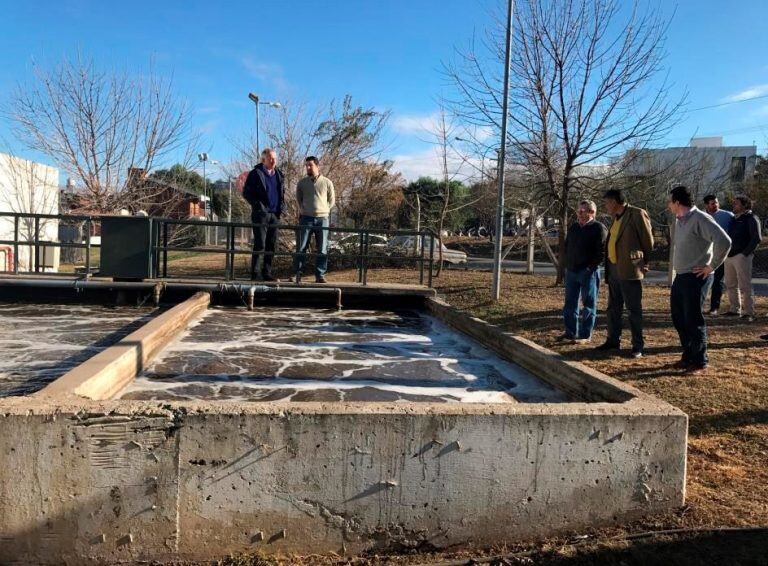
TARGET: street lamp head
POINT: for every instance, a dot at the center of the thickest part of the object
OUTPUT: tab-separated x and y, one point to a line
254	97
202	156
276	105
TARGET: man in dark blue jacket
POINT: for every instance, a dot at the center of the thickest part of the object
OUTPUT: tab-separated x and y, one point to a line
264	191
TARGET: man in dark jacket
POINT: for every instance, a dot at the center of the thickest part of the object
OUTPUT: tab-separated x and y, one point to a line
264	191
584	250
745	237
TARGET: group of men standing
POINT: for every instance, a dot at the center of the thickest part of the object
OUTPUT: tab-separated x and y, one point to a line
712	249
315	195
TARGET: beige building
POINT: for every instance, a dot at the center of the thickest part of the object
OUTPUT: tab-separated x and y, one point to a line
32	188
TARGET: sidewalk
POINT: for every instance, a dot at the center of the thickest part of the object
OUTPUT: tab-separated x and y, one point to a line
545	268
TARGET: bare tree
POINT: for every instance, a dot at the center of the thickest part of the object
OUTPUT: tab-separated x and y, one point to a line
100	127
586	85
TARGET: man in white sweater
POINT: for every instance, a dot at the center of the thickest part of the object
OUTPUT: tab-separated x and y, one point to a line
700	247
316	197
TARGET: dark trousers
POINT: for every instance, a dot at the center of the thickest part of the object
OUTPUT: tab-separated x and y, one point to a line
623	293
264	240
687	301
582	284
718	286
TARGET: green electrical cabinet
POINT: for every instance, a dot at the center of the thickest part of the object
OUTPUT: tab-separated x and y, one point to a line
127	247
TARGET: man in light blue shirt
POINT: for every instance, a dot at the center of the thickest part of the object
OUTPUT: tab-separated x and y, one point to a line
723	219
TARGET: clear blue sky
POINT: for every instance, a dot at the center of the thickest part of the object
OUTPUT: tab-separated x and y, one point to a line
386	54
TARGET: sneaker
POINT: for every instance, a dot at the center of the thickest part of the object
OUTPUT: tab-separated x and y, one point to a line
730	313
607	347
747	318
636	354
713	312
565	337
696	370
586	340
320	279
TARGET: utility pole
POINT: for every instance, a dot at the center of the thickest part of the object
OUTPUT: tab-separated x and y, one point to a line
496	289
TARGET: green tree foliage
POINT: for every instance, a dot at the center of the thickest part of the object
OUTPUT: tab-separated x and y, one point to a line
180	177
431	194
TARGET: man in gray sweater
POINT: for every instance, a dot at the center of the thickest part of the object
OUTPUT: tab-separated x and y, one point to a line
316	197
700	246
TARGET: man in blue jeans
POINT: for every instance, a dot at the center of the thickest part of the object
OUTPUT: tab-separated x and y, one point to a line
700	247
584	251
316	197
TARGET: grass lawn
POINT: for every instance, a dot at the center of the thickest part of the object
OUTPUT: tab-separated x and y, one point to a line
728	410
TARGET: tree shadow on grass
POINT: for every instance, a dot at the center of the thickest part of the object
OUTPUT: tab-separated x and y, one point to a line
731	548
725	421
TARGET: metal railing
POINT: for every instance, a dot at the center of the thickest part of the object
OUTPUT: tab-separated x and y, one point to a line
27	233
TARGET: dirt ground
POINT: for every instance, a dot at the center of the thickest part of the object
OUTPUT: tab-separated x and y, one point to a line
728	442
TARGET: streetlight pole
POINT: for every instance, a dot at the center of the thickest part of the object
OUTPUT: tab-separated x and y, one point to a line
496	288
257	102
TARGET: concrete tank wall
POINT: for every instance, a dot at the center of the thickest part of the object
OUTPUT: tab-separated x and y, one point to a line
119	481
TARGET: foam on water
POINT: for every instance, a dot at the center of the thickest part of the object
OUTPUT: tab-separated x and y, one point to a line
289	354
39	343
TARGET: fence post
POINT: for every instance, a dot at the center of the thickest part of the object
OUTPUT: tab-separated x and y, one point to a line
37	245
420	238
431	256
165	250
16	245
88	248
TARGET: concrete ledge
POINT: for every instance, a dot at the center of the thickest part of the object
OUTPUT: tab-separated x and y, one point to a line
129	481
107	373
577	379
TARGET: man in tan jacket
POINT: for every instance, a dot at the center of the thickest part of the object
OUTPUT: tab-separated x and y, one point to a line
627	249
316	197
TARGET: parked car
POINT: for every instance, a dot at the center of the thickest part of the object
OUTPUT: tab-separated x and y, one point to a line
408	246
350	244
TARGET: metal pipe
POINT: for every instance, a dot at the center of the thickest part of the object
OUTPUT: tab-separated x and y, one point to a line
243	288
158	293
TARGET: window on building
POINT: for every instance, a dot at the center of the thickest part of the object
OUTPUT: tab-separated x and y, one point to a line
738	169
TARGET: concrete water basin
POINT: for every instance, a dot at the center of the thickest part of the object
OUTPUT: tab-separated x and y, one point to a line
211	431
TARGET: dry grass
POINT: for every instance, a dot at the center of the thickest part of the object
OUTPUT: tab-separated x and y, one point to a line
728	410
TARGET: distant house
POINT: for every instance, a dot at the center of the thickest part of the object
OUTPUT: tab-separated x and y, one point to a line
32	188
705	166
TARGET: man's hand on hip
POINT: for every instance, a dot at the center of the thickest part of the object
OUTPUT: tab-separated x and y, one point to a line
703	271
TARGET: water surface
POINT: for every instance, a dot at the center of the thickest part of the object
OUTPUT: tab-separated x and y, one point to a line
290	354
39	343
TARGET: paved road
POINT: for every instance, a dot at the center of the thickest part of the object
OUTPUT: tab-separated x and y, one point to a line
546	268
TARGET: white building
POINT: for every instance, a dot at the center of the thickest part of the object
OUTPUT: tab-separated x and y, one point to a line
705	166
32	188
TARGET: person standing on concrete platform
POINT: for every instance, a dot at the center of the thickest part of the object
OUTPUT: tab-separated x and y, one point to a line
723	219
628	247
745	237
701	245
264	191
316	197
584	252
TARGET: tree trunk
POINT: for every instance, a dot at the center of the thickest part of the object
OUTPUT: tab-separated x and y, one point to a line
531	239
